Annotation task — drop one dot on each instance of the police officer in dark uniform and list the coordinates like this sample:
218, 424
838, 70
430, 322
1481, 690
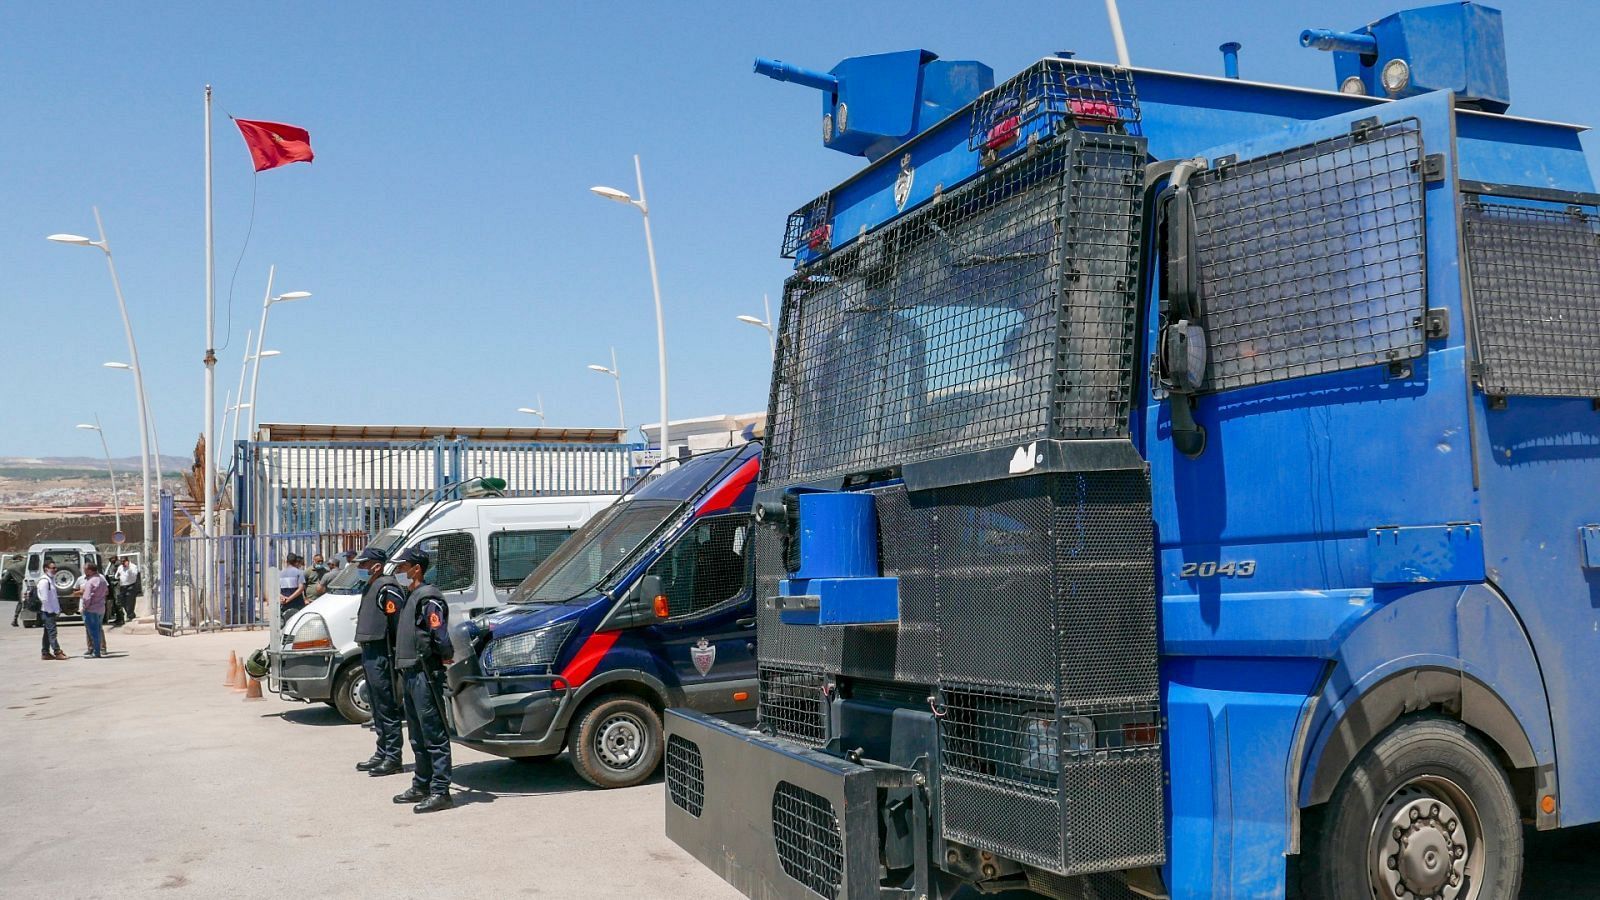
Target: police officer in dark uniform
375, 631
421, 651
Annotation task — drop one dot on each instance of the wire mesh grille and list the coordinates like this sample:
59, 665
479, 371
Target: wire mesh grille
708, 566
809, 227
805, 830
686, 775
1312, 260
1535, 278
791, 704
1001, 313
780, 643
1051, 95
1001, 736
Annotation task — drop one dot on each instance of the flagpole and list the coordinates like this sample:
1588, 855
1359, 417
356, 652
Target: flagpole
207, 473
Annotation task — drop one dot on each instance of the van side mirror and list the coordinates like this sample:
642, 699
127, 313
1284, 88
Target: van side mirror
653, 596
638, 606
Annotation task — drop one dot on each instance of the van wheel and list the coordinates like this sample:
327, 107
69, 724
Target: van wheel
350, 694
1425, 811
618, 742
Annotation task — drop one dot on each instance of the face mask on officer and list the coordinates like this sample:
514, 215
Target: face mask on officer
402, 576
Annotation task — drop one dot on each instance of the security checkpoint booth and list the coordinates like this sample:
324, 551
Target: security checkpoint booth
306, 489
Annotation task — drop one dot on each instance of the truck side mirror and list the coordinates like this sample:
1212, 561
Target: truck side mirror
1181, 353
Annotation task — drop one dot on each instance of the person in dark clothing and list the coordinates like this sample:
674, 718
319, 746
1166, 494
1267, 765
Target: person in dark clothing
375, 619
421, 651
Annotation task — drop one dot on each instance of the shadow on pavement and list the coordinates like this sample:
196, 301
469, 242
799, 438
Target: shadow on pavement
310, 715
509, 778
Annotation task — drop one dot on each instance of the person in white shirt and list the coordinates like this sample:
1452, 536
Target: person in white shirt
49, 609
292, 586
127, 593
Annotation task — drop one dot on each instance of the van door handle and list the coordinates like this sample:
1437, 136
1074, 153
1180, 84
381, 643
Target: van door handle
746, 622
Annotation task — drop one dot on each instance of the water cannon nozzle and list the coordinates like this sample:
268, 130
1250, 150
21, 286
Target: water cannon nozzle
1339, 41
779, 70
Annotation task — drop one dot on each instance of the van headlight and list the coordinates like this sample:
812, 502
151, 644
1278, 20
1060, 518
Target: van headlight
310, 633
526, 650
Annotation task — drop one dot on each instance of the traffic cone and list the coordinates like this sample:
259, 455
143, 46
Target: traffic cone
238, 678
252, 690
233, 669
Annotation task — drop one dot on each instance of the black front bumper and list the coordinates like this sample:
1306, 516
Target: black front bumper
510, 717
779, 820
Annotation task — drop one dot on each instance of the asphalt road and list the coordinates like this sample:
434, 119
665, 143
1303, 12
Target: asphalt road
141, 775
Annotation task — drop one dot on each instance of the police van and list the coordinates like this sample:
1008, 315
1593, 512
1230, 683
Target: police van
481, 547
650, 605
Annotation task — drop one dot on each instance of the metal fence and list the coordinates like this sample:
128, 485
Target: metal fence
360, 487
236, 561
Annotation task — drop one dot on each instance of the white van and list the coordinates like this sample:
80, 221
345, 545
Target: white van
480, 549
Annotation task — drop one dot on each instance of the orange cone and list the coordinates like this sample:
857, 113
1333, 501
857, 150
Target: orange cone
239, 678
252, 690
233, 669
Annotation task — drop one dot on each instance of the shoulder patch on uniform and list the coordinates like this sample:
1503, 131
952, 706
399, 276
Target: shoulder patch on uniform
389, 607
433, 620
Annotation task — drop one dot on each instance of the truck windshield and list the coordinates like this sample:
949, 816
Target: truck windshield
606, 544
348, 579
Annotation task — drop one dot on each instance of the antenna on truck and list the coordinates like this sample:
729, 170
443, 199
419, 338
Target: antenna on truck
1116, 33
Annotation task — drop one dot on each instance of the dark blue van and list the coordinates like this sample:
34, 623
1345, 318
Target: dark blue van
647, 606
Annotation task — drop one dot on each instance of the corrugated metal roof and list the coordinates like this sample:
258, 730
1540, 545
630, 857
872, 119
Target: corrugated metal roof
310, 432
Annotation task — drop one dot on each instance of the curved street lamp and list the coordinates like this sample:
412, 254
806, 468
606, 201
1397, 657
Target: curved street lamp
616, 375
116, 501
266, 304
613, 194
535, 411
765, 324
146, 430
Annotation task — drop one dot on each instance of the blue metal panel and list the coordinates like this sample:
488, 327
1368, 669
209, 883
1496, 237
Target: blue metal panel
843, 601
1452, 47
1232, 725
1428, 553
1271, 623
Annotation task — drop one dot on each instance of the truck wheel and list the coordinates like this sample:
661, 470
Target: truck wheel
618, 742
1425, 811
350, 694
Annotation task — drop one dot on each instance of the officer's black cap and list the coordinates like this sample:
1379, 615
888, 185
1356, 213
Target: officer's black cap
372, 554
414, 556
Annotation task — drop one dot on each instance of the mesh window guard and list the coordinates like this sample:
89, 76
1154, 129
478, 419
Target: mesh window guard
1003, 312
1534, 272
707, 566
1312, 260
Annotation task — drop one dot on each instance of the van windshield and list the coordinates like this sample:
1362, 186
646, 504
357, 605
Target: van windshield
348, 579
610, 541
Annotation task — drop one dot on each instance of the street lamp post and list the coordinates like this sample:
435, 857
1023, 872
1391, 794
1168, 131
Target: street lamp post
616, 375
116, 501
251, 403
145, 430
535, 411
766, 324
266, 304
655, 282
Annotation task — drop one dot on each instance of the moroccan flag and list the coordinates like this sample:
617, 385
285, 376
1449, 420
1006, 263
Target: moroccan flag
273, 145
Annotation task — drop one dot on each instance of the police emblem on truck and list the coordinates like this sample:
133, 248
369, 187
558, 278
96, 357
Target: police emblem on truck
704, 655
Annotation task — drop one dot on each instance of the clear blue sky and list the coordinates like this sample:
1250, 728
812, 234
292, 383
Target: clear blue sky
460, 265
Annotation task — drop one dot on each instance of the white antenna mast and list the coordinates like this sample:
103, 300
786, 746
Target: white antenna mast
1116, 33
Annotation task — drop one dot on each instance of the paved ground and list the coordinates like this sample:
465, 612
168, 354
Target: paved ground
141, 775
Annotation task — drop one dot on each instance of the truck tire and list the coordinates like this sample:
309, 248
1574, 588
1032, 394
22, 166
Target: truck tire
1433, 784
617, 742
349, 694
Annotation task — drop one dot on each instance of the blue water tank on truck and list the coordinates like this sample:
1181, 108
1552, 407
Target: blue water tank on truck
1230, 451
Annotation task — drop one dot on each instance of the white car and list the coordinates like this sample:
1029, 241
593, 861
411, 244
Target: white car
480, 549
69, 557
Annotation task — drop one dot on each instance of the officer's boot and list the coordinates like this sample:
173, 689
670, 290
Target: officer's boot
434, 803
413, 794
369, 764
386, 767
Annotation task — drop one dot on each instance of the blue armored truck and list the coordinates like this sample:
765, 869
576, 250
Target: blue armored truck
1175, 486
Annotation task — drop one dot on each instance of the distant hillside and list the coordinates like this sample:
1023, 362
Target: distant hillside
35, 468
